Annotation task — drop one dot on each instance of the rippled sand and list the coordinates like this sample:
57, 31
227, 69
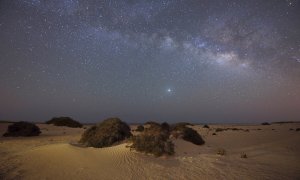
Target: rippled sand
273, 153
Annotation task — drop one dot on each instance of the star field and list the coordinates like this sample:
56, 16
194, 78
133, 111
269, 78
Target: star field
168, 60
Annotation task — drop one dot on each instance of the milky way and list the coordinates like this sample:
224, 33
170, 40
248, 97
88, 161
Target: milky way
198, 61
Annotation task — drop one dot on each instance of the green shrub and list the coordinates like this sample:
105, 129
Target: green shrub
106, 133
64, 121
22, 129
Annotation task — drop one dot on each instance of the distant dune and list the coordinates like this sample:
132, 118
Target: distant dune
273, 152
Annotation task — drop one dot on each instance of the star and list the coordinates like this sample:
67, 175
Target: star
136, 53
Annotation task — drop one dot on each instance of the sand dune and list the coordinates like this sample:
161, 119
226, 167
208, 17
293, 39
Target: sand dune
272, 154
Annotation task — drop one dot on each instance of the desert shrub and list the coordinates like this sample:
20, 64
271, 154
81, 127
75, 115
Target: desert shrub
298, 129
265, 123
180, 125
205, 126
153, 144
219, 130
106, 133
214, 134
186, 133
140, 128
152, 123
191, 135
165, 127
244, 155
235, 129
22, 129
64, 121
153, 140
221, 151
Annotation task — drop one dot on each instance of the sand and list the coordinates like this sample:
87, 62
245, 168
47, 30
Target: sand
272, 154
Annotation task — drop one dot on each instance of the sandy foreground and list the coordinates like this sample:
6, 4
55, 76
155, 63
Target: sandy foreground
273, 153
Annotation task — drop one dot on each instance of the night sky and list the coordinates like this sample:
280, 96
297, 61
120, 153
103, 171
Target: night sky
199, 61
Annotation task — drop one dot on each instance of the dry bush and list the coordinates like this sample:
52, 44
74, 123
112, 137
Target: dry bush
22, 129
140, 128
265, 123
154, 140
244, 155
106, 133
214, 134
205, 126
221, 151
64, 121
219, 130
186, 133
165, 126
151, 123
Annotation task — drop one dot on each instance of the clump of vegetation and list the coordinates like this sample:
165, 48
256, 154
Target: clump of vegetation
244, 155
152, 123
285, 122
214, 134
140, 128
22, 129
234, 129
205, 126
298, 129
221, 151
182, 124
265, 123
219, 130
106, 133
191, 135
64, 121
186, 133
154, 140
165, 126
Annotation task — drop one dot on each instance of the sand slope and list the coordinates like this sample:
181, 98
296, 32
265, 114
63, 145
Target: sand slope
272, 154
